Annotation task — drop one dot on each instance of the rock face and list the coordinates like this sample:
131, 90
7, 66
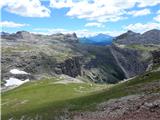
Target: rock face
149, 37
156, 57
71, 67
71, 38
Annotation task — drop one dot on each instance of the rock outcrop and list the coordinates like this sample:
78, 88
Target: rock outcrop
156, 57
71, 67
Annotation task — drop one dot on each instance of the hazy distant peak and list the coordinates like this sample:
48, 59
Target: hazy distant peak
4, 33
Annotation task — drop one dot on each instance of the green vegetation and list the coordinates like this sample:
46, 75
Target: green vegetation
42, 96
18, 48
143, 47
46, 99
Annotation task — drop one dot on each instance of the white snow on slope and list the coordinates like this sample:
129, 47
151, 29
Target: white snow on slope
14, 81
16, 71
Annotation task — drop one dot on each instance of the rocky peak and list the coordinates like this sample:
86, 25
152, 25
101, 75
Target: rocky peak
22, 32
74, 35
23, 35
129, 33
71, 38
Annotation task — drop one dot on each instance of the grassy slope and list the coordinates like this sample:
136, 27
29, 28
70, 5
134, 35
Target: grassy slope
47, 99
43, 96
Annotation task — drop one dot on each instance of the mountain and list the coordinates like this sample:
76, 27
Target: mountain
100, 39
149, 37
63, 77
50, 55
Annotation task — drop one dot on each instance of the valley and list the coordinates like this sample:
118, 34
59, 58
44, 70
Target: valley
80, 59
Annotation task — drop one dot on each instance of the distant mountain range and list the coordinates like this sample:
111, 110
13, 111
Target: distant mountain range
100, 39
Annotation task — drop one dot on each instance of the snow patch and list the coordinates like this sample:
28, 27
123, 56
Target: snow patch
16, 71
14, 81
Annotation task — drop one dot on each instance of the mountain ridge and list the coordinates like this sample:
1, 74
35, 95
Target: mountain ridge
149, 37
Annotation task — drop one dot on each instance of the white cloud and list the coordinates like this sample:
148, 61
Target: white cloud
145, 3
12, 24
139, 27
61, 4
157, 18
94, 24
26, 8
158, 12
102, 10
47, 31
80, 33
139, 12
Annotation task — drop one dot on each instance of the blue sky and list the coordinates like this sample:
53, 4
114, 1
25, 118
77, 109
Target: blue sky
85, 17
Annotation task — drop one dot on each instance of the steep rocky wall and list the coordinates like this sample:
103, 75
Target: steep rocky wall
156, 57
71, 67
130, 61
40, 65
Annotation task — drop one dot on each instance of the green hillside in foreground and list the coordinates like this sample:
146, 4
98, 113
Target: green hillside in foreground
46, 99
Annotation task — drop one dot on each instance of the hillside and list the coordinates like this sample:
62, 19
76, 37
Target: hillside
61, 101
64, 79
80, 59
